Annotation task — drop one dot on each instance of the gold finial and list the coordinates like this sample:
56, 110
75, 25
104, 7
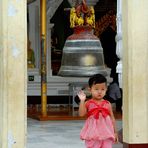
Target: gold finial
82, 15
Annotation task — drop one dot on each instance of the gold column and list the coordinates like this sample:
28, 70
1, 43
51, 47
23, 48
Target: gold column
43, 59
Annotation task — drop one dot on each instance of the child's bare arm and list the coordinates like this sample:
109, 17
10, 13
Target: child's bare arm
82, 108
114, 124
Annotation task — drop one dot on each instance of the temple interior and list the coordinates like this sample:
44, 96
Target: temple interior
61, 91
62, 103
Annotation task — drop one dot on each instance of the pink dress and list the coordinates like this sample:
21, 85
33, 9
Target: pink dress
98, 125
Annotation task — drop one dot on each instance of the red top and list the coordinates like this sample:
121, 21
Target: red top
97, 110
98, 125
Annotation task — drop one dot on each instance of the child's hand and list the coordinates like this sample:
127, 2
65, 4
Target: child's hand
116, 137
82, 95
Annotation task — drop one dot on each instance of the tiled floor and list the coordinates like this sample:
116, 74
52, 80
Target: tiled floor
57, 134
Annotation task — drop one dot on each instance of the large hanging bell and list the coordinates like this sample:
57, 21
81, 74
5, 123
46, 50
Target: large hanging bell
82, 54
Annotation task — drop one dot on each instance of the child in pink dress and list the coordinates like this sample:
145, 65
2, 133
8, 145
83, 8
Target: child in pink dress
99, 130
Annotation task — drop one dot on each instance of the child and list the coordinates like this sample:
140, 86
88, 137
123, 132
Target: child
99, 130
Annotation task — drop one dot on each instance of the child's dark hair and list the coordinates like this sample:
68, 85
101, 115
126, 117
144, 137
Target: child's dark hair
96, 79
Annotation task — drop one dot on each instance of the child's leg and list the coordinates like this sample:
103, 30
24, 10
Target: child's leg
93, 143
99, 143
107, 143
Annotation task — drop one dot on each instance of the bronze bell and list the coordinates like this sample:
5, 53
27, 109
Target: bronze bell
82, 52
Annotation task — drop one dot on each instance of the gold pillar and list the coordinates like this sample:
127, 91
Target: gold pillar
13, 74
43, 59
135, 73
